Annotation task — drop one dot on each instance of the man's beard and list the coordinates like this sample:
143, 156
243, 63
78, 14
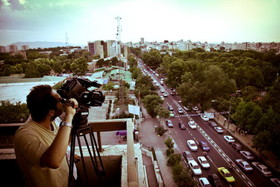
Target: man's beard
58, 112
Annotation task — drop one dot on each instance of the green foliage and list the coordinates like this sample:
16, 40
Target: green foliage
173, 159
108, 86
13, 113
152, 103
160, 130
169, 143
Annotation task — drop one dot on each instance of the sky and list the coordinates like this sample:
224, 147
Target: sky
154, 20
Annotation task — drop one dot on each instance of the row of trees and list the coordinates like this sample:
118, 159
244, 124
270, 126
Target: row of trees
13, 113
38, 65
201, 77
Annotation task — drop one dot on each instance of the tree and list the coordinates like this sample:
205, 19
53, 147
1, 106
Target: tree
13, 113
151, 103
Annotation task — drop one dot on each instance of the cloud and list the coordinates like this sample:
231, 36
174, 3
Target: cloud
16, 5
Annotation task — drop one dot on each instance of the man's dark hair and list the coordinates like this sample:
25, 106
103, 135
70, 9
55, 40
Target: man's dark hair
39, 101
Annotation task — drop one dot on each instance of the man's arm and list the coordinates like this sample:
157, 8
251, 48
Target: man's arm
54, 155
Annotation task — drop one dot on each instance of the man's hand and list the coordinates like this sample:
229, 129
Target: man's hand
70, 110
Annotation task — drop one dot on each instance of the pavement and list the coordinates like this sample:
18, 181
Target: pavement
149, 139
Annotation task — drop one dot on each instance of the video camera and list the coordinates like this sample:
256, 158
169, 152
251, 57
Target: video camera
78, 88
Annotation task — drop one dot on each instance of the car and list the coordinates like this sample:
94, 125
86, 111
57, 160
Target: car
161, 97
180, 110
229, 139
244, 165
212, 124
192, 124
170, 108
237, 146
169, 124
262, 168
171, 114
157, 84
188, 156
247, 155
203, 162
165, 94
192, 145
162, 90
182, 126
219, 130
195, 108
195, 167
275, 181
161, 82
204, 118
215, 180
203, 181
204, 146
224, 172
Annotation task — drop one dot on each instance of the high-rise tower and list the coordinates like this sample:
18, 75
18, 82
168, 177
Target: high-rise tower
118, 37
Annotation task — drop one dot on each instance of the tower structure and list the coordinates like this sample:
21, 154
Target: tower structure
118, 37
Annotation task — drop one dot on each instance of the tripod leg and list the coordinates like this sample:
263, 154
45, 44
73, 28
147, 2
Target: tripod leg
71, 164
102, 171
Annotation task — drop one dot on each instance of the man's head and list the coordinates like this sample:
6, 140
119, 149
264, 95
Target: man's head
43, 101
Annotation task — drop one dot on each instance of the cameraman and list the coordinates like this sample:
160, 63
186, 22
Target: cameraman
40, 144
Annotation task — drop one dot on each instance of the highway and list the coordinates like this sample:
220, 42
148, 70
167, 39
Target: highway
221, 152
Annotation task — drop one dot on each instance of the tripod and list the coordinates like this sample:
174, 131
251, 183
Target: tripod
81, 129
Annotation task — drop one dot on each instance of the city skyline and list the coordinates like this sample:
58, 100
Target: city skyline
154, 20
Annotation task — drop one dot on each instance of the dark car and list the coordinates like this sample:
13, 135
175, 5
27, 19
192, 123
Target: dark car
204, 146
212, 124
182, 126
237, 146
188, 156
215, 180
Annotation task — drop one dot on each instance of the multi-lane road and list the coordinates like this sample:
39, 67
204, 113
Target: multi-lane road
221, 152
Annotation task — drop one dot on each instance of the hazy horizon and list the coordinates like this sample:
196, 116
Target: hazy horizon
213, 21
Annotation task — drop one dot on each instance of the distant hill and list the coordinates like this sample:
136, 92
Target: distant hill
40, 44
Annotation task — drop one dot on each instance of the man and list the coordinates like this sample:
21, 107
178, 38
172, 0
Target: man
40, 145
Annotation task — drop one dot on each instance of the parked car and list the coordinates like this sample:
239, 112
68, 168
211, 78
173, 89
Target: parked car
215, 180
170, 108
203, 182
192, 145
224, 172
203, 162
169, 124
229, 139
161, 97
162, 90
165, 94
180, 110
195, 167
192, 124
212, 124
237, 146
188, 156
244, 165
171, 114
204, 118
219, 130
262, 168
247, 155
181, 126
195, 108
275, 181
204, 146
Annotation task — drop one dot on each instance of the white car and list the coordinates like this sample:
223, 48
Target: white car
205, 118
247, 155
192, 145
192, 124
262, 168
195, 167
203, 181
219, 130
165, 94
195, 108
275, 181
162, 90
244, 165
180, 110
229, 139
203, 162
161, 97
